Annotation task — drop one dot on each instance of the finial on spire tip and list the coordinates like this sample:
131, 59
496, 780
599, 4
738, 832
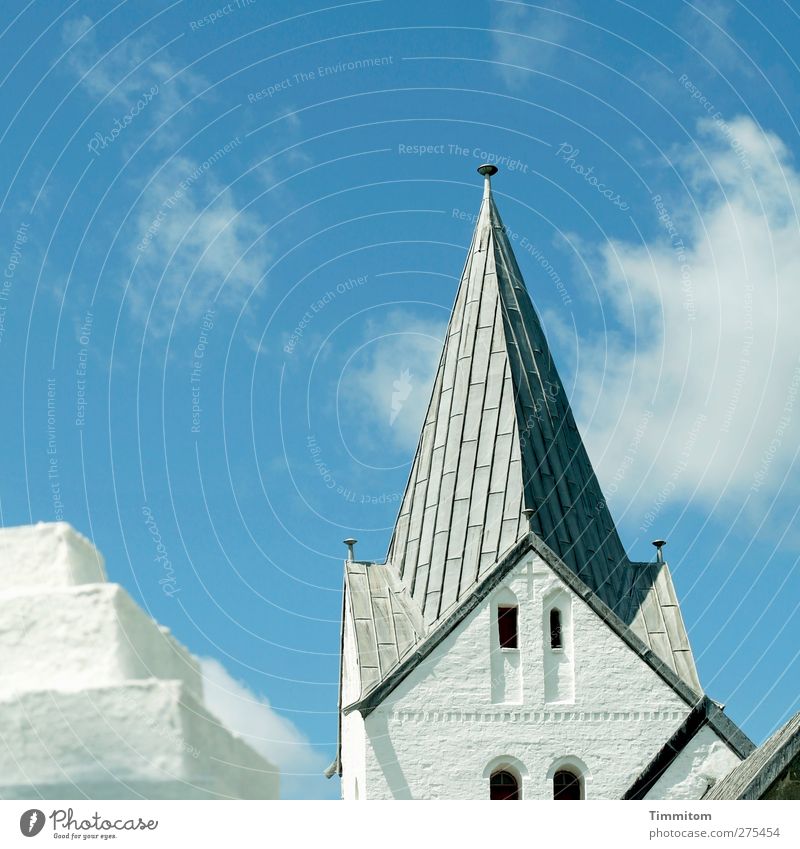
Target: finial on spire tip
487, 171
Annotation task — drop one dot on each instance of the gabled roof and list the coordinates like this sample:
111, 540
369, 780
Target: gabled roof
705, 712
409, 657
386, 623
754, 775
381, 673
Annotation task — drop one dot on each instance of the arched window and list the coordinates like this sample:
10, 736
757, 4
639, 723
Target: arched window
566, 785
503, 785
556, 638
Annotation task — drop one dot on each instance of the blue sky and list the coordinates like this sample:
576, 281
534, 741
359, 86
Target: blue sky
231, 236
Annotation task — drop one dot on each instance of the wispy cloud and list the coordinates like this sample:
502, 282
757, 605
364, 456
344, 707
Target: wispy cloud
527, 36
192, 232
118, 73
190, 237
706, 351
389, 385
706, 25
272, 735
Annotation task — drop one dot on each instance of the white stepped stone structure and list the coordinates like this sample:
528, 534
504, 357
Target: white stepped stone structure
508, 648
96, 699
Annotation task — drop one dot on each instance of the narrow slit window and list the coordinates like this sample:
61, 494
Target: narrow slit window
507, 627
503, 786
556, 637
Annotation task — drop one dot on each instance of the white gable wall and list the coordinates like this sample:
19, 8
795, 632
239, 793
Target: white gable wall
439, 734
702, 762
353, 734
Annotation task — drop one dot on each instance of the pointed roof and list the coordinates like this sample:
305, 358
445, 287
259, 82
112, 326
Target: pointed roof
499, 457
499, 438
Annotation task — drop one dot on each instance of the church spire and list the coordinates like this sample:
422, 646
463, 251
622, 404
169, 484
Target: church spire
500, 456
499, 452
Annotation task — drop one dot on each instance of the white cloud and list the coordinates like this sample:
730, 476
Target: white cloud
199, 236
119, 73
388, 383
189, 229
707, 25
537, 34
697, 393
272, 735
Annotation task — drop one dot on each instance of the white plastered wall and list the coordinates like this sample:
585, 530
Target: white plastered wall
702, 762
353, 735
49, 554
96, 699
97, 632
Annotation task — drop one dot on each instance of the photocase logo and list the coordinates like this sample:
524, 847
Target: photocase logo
401, 390
31, 822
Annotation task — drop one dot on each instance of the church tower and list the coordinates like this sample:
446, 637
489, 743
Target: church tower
508, 648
